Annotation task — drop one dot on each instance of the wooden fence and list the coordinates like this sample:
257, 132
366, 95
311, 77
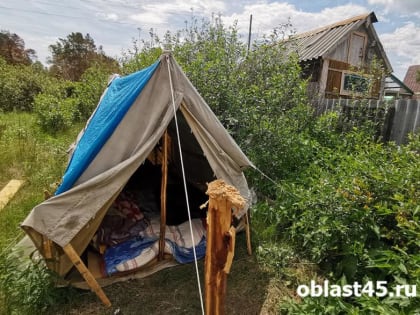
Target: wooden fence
394, 119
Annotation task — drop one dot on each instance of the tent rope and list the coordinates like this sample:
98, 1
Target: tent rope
185, 183
266, 176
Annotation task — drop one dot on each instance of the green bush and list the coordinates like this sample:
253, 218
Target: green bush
272, 114
89, 90
54, 113
355, 212
19, 85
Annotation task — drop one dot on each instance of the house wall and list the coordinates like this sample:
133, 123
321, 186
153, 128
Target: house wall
353, 54
341, 52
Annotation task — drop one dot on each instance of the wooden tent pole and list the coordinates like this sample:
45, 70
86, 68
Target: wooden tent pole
164, 184
86, 274
220, 245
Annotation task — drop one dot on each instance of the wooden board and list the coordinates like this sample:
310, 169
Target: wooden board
8, 192
94, 265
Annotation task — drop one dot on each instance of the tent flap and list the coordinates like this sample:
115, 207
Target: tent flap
113, 106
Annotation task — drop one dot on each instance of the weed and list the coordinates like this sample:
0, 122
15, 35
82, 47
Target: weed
27, 286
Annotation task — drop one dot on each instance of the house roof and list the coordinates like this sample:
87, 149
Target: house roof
411, 78
395, 85
319, 42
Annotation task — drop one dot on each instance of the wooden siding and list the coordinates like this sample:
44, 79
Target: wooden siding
340, 52
333, 83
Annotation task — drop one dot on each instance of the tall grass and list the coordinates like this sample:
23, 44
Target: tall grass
31, 155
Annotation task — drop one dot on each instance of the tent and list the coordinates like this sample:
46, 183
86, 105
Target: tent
133, 122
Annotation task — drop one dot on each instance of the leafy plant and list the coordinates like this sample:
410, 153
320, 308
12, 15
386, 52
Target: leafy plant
88, 91
19, 85
55, 114
27, 286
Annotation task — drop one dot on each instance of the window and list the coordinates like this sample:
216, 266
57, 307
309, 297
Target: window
352, 83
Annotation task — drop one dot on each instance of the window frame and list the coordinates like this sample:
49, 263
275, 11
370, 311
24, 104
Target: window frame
356, 91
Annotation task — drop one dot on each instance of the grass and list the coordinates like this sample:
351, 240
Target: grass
29, 154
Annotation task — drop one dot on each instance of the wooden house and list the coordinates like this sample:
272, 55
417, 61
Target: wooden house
338, 59
410, 80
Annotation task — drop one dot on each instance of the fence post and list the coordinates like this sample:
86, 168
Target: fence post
220, 245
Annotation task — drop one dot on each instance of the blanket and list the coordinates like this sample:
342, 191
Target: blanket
123, 221
142, 249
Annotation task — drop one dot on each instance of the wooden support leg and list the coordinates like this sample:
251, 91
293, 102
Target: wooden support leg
218, 222
87, 275
47, 247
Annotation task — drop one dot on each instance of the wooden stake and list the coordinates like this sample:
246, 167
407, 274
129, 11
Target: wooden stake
220, 245
86, 274
164, 184
248, 234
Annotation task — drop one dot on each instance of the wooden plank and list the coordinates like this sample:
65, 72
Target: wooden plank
8, 192
86, 274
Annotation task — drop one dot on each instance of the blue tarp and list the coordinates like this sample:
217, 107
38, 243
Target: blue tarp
118, 99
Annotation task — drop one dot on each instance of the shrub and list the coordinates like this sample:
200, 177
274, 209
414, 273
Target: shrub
19, 85
27, 287
353, 211
55, 114
89, 90
273, 116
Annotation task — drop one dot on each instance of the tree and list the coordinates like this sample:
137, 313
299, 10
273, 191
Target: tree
12, 49
207, 51
76, 53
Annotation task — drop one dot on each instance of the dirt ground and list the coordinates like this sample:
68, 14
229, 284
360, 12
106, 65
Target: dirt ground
175, 291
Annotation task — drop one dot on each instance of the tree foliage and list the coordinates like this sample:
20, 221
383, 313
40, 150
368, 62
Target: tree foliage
207, 51
12, 49
73, 55
210, 54
19, 84
272, 113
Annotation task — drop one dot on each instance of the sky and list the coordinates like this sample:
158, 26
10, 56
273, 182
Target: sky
114, 24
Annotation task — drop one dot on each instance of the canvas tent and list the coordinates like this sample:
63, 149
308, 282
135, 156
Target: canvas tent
125, 132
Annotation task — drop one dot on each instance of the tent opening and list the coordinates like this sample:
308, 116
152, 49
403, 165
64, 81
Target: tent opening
128, 237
